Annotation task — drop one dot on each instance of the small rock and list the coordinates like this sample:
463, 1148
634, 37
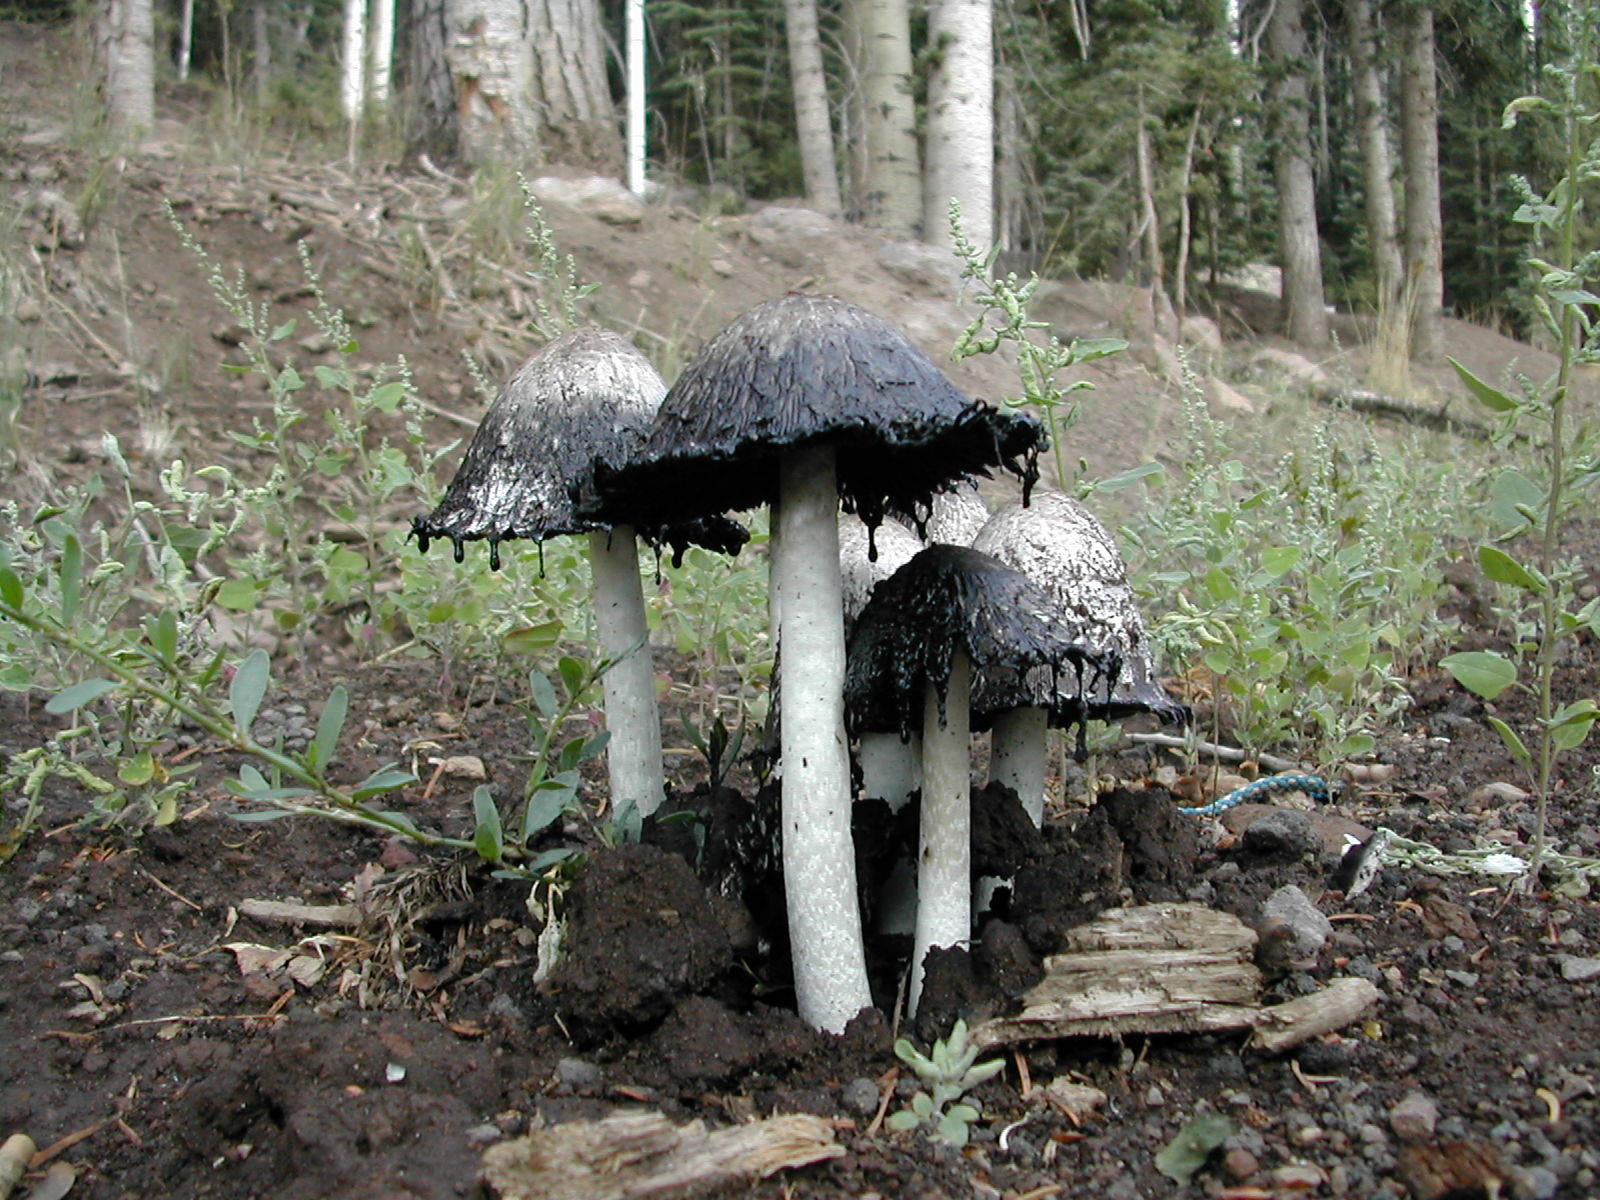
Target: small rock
578, 1074
1154, 1097
931, 267
1491, 794
1414, 1117
1292, 908
483, 1135
1078, 1101
1578, 970
721, 266
1240, 1164
860, 1096
1372, 1135
464, 766
604, 199
1283, 834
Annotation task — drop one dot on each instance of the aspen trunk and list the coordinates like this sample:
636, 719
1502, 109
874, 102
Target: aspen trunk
1377, 165
127, 34
1305, 318
1419, 147
960, 143
568, 77
811, 106
891, 198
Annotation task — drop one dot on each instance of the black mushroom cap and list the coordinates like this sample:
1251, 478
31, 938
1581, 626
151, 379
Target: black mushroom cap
804, 369
587, 397
1063, 547
949, 599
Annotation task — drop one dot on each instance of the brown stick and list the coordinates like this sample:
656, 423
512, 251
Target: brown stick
1342, 1002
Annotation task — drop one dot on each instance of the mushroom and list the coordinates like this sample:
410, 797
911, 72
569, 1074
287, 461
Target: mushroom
588, 395
1062, 547
949, 621
799, 403
956, 516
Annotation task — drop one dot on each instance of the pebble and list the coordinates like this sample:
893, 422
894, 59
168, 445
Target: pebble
1578, 970
1154, 1097
1304, 1177
861, 1096
1283, 833
1371, 1134
483, 1135
1414, 1117
578, 1074
1306, 922
1540, 1184
1240, 1164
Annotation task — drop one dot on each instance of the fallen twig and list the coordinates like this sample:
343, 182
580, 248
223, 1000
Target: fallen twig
1342, 1002
282, 912
1227, 754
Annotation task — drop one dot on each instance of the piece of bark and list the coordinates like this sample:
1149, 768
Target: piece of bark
1344, 1001
1157, 968
281, 912
644, 1156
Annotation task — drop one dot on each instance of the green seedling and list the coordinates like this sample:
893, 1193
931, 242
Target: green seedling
950, 1069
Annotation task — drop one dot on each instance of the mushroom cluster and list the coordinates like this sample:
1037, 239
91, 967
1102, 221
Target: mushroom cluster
810, 404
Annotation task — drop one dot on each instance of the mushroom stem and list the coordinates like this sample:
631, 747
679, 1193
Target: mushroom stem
830, 970
1017, 756
944, 863
633, 756
889, 768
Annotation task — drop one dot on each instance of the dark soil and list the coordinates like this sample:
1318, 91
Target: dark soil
151, 1036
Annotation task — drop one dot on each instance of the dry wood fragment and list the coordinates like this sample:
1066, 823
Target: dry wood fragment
1341, 1003
1157, 968
281, 912
644, 1156
1437, 1171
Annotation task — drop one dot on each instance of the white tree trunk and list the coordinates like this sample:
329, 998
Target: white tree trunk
128, 35
1419, 145
382, 52
811, 107
185, 38
891, 194
1306, 319
1376, 161
579, 122
260, 49
636, 96
944, 857
491, 62
1018, 751
633, 756
960, 143
353, 61
819, 873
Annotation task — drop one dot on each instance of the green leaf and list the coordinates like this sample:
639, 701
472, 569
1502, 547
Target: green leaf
386, 397
239, 595
1131, 476
1088, 349
545, 806
531, 639
903, 1121
953, 1129
1189, 1148
138, 770
163, 632
1481, 671
11, 590
1502, 568
79, 694
1278, 561
71, 578
544, 695
258, 815
16, 678
384, 779
282, 331
248, 688
1513, 741
487, 839
1570, 725
574, 674
329, 725
1487, 395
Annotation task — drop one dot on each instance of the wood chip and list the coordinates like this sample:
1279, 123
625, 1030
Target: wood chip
281, 912
629, 1156
1343, 1002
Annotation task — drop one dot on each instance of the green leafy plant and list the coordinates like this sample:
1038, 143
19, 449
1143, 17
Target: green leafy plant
950, 1070
1566, 305
1041, 357
1189, 1148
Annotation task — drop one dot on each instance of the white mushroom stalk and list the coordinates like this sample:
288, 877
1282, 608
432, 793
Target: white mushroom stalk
944, 840
633, 756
